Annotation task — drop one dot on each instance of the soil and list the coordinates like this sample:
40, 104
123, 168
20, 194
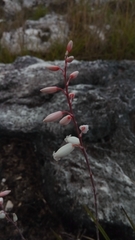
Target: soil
21, 173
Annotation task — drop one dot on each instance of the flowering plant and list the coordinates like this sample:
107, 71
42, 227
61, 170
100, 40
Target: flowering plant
65, 117
4, 214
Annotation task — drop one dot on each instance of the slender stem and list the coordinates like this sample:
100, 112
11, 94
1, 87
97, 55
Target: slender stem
82, 147
19, 231
94, 190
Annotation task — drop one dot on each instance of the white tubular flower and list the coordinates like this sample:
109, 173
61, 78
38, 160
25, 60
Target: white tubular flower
63, 151
2, 214
73, 140
84, 128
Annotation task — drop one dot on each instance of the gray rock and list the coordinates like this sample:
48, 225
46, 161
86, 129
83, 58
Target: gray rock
36, 36
11, 7
105, 100
39, 35
29, 3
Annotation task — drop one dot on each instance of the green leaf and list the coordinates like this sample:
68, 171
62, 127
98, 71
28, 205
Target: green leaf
97, 224
58, 237
129, 219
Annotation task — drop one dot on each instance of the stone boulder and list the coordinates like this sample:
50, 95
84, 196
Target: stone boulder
105, 100
36, 36
32, 35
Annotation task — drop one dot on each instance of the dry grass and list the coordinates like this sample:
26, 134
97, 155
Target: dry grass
102, 31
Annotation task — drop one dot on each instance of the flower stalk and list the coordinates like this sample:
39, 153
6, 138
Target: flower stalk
71, 141
5, 215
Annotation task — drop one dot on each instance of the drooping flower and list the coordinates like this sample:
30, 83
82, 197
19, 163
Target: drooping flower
49, 89
65, 120
63, 151
72, 139
84, 128
54, 116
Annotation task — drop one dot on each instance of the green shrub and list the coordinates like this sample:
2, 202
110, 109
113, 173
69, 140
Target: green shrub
39, 12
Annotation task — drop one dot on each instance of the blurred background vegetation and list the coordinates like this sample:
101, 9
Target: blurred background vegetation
100, 31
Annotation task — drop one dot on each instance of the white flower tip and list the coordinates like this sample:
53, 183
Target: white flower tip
55, 156
72, 139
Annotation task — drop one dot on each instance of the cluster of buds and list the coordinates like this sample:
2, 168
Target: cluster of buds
4, 209
65, 117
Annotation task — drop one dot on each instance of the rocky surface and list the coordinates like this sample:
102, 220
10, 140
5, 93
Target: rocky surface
33, 35
105, 100
36, 36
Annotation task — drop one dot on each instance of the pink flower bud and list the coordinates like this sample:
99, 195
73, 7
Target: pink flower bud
53, 117
70, 46
73, 140
84, 128
71, 95
69, 59
63, 151
65, 120
4, 193
49, 89
53, 68
74, 75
